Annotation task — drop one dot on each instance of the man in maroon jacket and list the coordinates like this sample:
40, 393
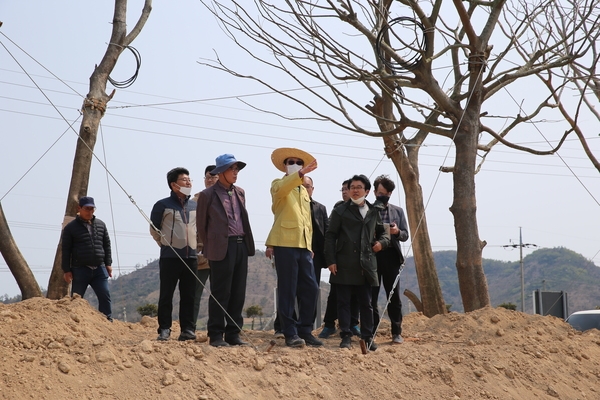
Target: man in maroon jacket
224, 229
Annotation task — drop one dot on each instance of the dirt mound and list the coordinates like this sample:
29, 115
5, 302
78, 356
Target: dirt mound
65, 349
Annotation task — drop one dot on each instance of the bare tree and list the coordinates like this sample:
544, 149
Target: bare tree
433, 70
93, 109
16, 262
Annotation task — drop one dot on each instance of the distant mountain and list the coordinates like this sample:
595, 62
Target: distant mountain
550, 269
556, 269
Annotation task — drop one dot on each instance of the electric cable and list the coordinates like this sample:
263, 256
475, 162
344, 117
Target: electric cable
128, 82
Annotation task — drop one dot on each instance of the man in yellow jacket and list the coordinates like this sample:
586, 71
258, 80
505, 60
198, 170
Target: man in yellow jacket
290, 243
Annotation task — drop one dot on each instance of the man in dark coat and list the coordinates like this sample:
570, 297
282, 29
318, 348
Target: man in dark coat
224, 229
355, 234
390, 259
86, 255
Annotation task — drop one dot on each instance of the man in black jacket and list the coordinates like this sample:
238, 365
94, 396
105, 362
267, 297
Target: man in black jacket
390, 259
86, 255
354, 236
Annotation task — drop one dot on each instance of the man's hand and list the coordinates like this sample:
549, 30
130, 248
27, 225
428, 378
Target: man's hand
308, 168
269, 252
68, 277
394, 229
333, 268
109, 270
377, 247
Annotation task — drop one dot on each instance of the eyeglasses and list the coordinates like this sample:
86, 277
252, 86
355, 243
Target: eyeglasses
292, 162
356, 187
234, 168
185, 180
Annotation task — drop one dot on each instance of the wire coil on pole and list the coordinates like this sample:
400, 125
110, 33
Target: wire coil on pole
129, 82
410, 50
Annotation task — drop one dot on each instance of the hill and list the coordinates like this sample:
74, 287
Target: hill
549, 269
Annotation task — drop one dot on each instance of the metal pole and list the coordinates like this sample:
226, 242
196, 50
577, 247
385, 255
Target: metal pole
522, 271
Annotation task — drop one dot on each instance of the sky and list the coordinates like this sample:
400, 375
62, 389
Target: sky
181, 113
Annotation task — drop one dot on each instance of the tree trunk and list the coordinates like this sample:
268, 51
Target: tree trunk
93, 109
15, 261
429, 285
472, 281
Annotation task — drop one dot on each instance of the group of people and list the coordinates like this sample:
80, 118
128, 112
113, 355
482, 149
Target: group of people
209, 236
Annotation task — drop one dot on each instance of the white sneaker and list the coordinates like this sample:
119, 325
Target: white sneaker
397, 339
279, 335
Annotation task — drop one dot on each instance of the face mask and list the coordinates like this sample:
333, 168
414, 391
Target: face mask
383, 199
358, 201
185, 190
291, 169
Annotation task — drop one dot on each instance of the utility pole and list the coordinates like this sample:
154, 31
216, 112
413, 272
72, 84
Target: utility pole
521, 245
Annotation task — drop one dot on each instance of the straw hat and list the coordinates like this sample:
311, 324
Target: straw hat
280, 155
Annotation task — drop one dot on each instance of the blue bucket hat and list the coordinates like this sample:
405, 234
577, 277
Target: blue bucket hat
224, 161
86, 201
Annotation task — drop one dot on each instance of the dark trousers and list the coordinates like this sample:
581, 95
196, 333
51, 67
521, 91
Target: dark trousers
331, 313
388, 268
173, 271
202, 275
228, 291
344, 295
295, 282
97, 278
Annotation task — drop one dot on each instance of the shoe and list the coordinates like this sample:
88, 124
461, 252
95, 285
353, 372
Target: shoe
346, 342
397, 339
311, 340
355, 330
219, 342
236, 341
187, 334
326, 332
163, 334
279, 335
371, 345
294, 341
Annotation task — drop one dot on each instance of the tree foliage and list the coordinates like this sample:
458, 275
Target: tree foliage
148, 309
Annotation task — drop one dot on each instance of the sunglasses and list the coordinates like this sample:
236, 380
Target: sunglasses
292, 162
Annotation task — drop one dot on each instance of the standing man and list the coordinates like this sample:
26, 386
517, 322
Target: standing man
86, 255
203, 268
290, 242
390, 259
355, 234
331, 308
224, 229
320, 222
174, 230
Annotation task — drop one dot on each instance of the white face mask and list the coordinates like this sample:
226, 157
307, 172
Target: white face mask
291, 169
185, 190
358, 201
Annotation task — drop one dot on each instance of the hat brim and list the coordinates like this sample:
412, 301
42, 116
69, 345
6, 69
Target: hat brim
225, 167
280, 155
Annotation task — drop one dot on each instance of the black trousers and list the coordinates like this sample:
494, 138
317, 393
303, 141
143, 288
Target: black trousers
228, 291
344, 295
331, 313
388, 268
172, 271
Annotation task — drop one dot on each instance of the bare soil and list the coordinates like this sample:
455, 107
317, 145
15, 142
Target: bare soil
65, 349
